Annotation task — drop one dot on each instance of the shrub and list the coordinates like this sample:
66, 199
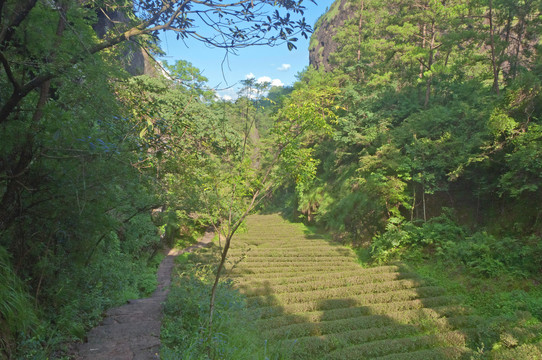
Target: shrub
483, 254
186, 311
489, 256
17, 316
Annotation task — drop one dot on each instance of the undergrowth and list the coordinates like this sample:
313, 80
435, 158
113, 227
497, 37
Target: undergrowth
184, 333
17, 313
108, 283
73, 298
505, 305
497, 276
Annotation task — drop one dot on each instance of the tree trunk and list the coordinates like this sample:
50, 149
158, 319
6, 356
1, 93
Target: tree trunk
26, 153
423, 201
413, 203
520, 31
360, 24
215, 284
494, 65
429, 65
424, 30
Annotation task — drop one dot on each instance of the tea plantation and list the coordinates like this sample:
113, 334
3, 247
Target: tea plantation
312, 297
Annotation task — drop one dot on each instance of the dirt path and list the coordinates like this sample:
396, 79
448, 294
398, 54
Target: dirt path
132, 331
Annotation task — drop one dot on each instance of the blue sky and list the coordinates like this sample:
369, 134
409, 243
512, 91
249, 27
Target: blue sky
275, 64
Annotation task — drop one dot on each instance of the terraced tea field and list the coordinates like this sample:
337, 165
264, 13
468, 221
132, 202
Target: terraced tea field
313, 298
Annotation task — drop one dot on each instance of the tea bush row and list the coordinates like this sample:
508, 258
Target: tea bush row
401, 316
254, 288
525, 351
312, 347
285, 280
314, 327
357, 297
277, 265
294, 269
331, 306
388, 301
441, 353
289, 242
344, 291
313, 251
296, 278
256, 260
401, 345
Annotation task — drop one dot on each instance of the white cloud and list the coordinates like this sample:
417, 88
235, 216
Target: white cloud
227, 94
263, 79
249, 76
284, 67
267, 79
277, 82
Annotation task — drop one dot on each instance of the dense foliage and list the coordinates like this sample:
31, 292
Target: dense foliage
99, 169
423, 144
439, 108
434, 157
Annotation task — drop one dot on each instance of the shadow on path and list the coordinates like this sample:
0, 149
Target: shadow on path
132, 331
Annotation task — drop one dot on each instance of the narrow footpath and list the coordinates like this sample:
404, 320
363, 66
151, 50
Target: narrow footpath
132, 331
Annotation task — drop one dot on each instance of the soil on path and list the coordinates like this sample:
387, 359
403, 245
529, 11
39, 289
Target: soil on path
132, 331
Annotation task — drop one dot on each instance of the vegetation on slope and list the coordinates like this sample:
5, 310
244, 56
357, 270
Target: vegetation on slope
330, 307
435, 154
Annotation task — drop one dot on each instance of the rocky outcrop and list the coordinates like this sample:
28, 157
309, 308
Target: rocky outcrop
134, 58
322, 43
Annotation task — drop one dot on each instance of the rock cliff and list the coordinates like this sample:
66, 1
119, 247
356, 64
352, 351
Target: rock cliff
322, 43
135, 59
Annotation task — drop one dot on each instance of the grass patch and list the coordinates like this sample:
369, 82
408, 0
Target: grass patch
184, 332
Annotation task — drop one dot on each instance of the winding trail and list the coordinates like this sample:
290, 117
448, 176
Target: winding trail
132, 331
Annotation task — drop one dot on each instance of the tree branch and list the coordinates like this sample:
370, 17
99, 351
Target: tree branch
8, 71
19, 14
138, 211
249, 37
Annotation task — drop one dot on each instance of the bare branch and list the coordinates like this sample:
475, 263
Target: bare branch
206, 3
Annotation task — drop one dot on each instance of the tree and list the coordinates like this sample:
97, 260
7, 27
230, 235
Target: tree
86, 153
187, 75
233, 184
41, 42
233, 24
